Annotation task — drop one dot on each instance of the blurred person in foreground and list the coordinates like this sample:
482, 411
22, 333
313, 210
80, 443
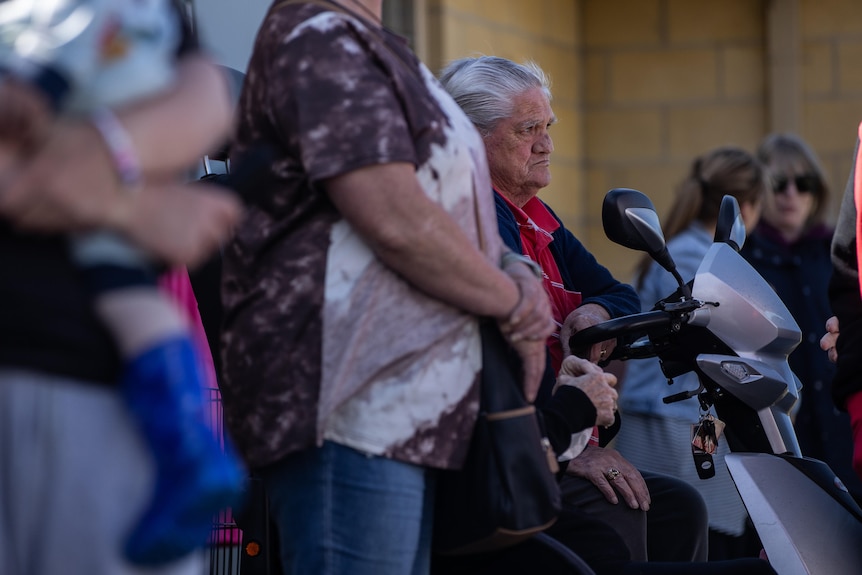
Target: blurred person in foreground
126, 52
65, 425
354, 288
846, 300
658, 436
791, 249
614, 517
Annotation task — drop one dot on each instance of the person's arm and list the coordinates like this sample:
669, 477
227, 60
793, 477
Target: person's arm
71, 183
173, 130
567, 412
417, 239
844, 297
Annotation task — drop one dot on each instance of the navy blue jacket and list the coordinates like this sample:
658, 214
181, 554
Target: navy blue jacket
580, 272
799, 274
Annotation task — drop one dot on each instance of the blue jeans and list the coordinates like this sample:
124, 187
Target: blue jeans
339, 511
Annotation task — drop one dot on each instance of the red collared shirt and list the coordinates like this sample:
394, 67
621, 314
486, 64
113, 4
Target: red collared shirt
536, 224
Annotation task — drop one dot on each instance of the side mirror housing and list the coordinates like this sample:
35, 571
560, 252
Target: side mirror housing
630, 220
730, 227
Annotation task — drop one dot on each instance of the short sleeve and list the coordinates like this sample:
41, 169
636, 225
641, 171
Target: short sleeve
336, 99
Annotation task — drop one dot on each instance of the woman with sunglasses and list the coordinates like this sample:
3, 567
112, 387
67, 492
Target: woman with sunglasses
791, 249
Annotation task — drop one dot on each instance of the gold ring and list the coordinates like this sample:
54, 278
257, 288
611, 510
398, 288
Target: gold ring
612, 473
602, 352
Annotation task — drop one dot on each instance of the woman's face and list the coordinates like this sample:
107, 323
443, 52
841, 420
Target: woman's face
791, 201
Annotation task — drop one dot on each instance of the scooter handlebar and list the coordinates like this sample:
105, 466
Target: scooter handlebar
636, 324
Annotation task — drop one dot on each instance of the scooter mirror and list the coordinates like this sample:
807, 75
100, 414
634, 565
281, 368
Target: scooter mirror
730, 227
630, 220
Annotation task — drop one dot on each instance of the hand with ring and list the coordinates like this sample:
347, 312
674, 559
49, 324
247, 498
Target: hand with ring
612, 474
581, 318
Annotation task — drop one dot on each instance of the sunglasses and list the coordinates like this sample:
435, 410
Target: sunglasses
805, 184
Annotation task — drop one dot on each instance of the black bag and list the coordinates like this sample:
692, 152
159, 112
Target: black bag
507, 490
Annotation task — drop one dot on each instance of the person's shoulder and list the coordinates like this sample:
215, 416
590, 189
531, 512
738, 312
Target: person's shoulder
287, 21
692, 240
688, 248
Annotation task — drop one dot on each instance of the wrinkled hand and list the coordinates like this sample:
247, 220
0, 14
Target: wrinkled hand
533, 358
592, 380
593, 464
830, 339
531, 319
529, 326
583, 317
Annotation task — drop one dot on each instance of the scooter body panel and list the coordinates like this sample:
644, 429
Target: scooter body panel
805, 529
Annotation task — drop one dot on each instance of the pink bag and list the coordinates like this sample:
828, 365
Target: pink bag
177, 285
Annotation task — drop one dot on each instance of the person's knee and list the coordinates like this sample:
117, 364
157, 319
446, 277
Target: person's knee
679, 500
690, 499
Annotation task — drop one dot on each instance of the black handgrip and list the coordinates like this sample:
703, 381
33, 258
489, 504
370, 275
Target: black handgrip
638, 323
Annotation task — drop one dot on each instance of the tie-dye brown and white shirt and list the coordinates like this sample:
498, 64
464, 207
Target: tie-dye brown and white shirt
321, 341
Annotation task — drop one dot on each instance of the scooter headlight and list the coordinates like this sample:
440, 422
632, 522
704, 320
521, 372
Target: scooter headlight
740, 371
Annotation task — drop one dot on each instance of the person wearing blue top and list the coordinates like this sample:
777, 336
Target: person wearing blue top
657, 436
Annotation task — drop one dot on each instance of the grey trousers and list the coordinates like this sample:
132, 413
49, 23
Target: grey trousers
74, 476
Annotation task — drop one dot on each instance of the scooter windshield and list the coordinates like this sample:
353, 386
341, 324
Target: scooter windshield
750, 317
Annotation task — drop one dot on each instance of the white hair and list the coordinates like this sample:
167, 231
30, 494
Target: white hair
485, 87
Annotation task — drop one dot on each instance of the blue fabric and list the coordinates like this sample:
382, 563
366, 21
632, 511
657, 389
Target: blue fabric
580, 272
196, 476
645, 385
340, 511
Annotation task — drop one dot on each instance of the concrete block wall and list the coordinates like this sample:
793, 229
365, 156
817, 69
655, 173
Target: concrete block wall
665, 80
831, 64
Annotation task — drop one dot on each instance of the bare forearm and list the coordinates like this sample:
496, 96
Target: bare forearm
419, 240
171, 131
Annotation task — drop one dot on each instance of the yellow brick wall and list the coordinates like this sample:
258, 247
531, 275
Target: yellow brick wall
642, 86
672, 79
831, 42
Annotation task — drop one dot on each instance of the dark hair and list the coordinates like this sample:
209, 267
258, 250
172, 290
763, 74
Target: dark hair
789, 155
727, 170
